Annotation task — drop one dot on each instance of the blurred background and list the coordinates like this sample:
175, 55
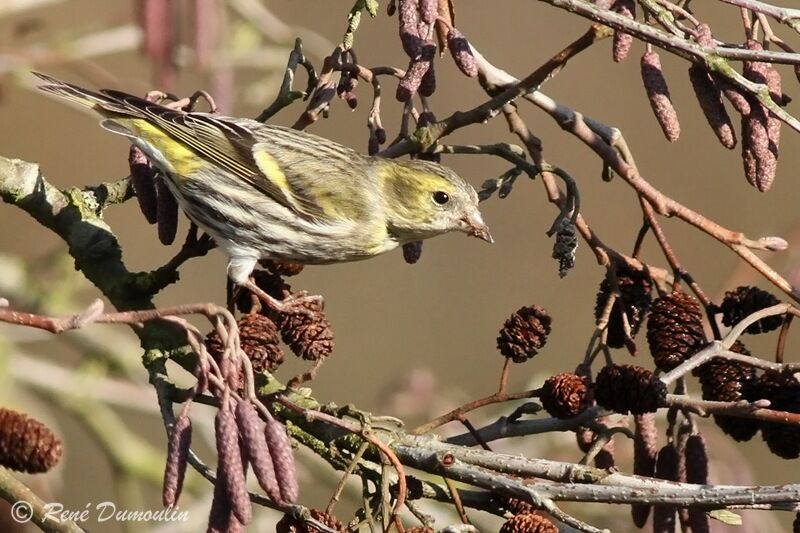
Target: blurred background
412, 341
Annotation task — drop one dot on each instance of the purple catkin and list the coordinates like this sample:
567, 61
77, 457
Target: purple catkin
428, 84
408, 22
143, 179
462, 53
658, 93
667, 465
623, 41
254, 443
221, 518
709, 97
280, 448
410, 83
696, 460
167, 213
428, 11
761, 129
735, 96
645, 449
230, 469
180, 439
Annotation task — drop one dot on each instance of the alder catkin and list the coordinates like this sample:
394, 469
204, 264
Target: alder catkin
658, 93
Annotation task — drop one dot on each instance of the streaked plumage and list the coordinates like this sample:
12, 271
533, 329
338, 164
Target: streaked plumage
269, 191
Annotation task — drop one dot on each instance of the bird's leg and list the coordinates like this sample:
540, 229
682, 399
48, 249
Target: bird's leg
295, 304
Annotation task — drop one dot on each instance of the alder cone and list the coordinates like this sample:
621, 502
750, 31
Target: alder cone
524, 333
629, 388
289, 524
746, 300
565, 395
783, 391
528, 523
730, 381
634, 301
674, 329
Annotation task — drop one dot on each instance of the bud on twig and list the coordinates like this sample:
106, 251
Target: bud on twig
412, 252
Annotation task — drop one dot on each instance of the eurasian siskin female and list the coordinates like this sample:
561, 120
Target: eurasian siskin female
264, 191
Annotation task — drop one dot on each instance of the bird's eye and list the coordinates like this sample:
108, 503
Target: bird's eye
441, 197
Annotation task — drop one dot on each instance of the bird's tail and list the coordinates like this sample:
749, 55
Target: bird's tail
104, 103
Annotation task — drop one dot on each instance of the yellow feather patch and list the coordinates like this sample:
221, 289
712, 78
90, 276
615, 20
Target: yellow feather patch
183, 160
272, 170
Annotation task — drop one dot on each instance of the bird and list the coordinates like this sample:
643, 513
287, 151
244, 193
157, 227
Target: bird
265, 191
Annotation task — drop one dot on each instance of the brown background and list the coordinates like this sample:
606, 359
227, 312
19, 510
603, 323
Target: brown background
436, 320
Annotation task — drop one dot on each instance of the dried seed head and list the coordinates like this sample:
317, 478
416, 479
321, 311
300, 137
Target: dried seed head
290, 524
180, 439
709, 96
634, 300
655, 85
674, 329
745, 300
524, 333
528, 523
629, 388
645, 449
281, 268
730, 381
143, 177
258, 337
623, 41
167, 209
230, 471
565, 247
27, 445
783, 392
565, 395
462, 53
280, 448
309, 337
412, 251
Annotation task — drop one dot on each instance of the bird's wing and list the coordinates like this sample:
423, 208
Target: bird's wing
228, 145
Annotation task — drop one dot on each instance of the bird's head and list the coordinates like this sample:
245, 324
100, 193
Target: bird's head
425, 199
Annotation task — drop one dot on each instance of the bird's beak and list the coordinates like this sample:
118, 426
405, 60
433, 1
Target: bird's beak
474, 226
